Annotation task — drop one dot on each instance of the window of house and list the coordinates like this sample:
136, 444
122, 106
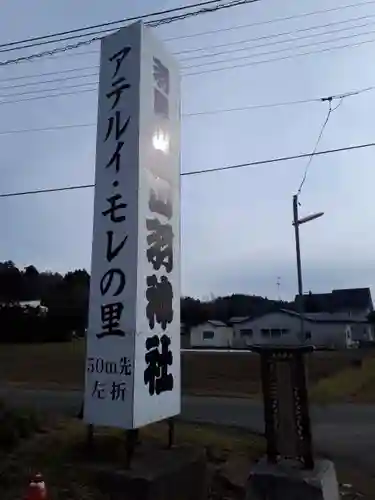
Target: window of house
307, 335
265, 332
207, 335
284, 331
275, 332
246, 332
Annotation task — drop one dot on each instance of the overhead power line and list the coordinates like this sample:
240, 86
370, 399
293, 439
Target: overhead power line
280, 34
264, 37
278, 59
44, 82
203, 8
53, 89
203, 171
47, 73
52, 96
216, 7
274, 20
110, 23
187, 74
271, 52
242, 42
280, 42
195, 73
321, 132
197, 113
78, 76
65, 48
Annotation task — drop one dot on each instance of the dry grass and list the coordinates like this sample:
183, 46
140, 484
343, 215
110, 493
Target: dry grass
57, 456
354, 384
356, 484
203, 373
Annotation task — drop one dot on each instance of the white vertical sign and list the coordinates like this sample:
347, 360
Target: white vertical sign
133, 340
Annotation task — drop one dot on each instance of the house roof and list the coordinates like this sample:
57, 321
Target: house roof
324, 317
356, 298
310, 317
239, 319
215, 322
338, 300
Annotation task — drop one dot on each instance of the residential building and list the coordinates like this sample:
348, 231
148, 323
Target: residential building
355, 303
211, 334
283, 328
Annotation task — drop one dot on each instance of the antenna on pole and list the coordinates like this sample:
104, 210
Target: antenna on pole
278, 283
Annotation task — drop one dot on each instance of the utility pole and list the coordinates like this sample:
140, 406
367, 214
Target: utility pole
278, 283
296, 223
299, 267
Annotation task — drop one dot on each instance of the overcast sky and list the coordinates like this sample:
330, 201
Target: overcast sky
237, 235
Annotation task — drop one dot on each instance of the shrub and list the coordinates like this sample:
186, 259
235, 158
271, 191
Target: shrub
16, 425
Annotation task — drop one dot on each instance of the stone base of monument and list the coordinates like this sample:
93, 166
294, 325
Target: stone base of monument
156, 473
287, 481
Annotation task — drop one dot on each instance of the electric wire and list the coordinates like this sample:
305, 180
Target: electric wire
60, 94
227, 68
321, 132
48, 73
271, 52
280, 34
213, 70
278, 42
216, 5
278, 59
222, 52
234, 3
184, 67
52, 38
43, 82
204, 171
43, 91
271, 21
264, 37
197, 113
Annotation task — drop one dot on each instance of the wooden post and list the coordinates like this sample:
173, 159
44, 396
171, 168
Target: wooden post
90, 438
131, 441
171, 432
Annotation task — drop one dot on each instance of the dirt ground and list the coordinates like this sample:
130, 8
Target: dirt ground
203, 373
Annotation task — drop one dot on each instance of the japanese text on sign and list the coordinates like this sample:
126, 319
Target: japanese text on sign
159, 293
114, 280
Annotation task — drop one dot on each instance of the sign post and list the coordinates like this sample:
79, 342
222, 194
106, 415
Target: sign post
133, 340
285, 400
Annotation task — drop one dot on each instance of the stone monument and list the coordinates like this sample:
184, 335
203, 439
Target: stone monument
289, 471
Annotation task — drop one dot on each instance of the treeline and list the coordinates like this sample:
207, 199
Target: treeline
67, 296
194, 311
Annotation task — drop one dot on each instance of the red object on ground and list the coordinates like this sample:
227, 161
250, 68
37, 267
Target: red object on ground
36, 489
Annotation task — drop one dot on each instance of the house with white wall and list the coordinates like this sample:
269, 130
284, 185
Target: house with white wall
283, 328
212, 333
